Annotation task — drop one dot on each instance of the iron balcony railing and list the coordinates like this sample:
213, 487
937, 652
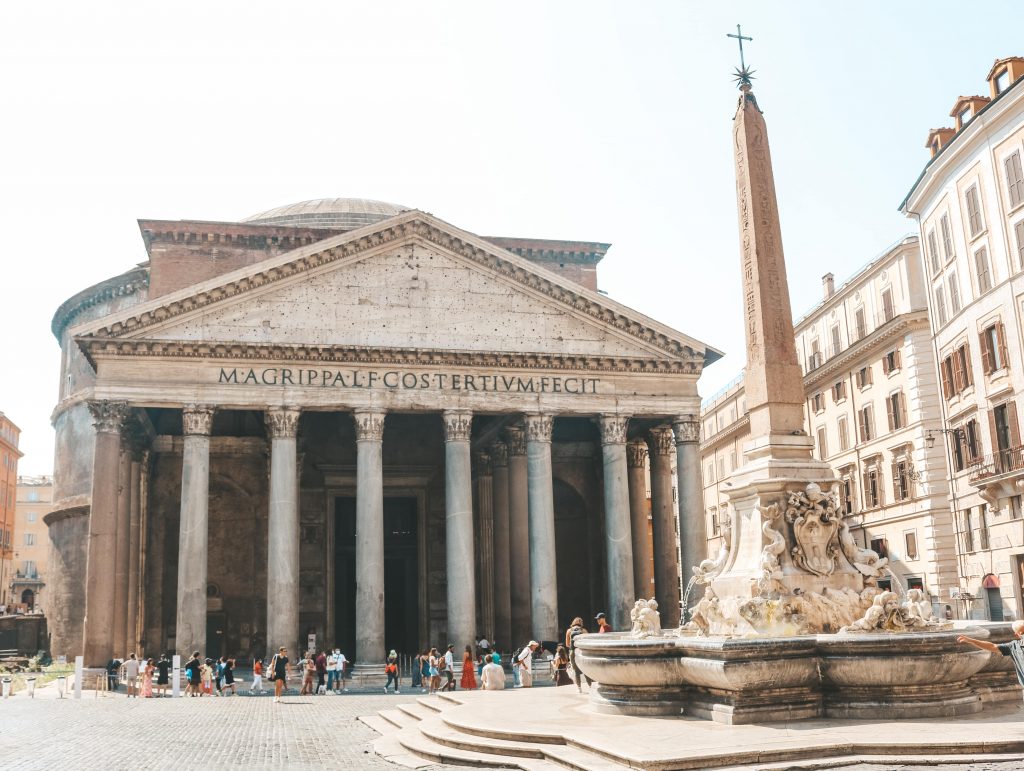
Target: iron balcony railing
1002, 462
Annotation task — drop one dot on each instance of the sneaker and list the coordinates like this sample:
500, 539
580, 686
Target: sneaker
397, 691
276, 699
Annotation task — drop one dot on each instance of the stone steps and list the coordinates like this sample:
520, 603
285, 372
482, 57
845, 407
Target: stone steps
924, 761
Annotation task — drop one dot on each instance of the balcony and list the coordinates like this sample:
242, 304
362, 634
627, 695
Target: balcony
998, 475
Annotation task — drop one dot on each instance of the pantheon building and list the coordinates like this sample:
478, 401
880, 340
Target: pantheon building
350, 419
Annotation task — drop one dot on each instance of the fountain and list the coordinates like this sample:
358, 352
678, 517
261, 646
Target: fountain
792, 623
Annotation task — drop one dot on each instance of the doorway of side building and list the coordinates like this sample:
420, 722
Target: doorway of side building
214, 635
990, 583
28, 598
401, 575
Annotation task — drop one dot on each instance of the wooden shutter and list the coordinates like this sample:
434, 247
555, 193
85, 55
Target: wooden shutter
973, 211
965, 362
862, 425
1011, 420
902, 403
986, 352
947, 386
993, 432
1014, 178
1001, 342
885, 364
891, 411
958, 372
896, 481
1018, 230
897, 359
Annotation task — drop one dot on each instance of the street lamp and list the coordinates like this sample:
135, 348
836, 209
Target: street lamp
930, 434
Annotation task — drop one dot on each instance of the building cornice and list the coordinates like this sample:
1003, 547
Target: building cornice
728, 433
402, 227
98, 347
866, 345
127, 283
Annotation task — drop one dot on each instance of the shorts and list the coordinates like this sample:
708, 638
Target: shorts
434, 672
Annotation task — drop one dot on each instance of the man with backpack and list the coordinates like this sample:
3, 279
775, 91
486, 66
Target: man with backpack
571, 634
522, 665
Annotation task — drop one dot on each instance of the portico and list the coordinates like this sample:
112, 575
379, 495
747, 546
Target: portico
375, 439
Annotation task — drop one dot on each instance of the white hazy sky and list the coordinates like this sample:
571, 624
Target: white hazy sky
606, 121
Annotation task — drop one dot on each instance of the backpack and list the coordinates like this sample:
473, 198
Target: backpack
442, 664
515, 655
574, 632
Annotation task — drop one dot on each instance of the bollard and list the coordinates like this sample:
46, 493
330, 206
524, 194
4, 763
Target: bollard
61, 685
6, 687
31, 682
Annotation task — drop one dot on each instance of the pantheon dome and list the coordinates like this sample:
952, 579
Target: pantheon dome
342, 213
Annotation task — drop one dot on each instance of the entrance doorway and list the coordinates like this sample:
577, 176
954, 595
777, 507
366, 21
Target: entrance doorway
401, 575
214, 635
28, 597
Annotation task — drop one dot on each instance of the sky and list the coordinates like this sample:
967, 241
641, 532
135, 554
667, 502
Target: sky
599, 121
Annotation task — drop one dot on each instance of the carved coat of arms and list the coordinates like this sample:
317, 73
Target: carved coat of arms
815, 523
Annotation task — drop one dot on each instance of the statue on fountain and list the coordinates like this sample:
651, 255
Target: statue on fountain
646, 619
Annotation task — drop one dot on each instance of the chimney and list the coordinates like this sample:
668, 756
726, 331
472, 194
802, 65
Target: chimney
828, 283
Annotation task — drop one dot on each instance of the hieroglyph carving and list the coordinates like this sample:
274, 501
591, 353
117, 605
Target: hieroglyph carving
283, 422
636, 454
815, 520
108, 417
538, 428
196, 420
661, 441
687, 429
613, 429
457, 425
369, 425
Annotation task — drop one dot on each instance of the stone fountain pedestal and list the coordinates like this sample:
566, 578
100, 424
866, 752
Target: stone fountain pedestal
756, 680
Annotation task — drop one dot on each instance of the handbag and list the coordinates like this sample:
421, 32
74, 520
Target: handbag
273, 668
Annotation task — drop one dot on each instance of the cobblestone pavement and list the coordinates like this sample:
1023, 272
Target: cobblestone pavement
113, 732
1009, 765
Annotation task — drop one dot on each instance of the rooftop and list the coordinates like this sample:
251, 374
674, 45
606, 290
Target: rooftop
345, 213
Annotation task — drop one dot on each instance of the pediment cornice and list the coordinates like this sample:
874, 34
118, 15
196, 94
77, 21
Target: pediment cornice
414, 225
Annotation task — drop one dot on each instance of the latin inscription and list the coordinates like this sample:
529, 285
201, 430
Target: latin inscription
399, 380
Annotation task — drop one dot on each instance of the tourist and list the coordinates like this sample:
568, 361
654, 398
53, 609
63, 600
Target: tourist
257, 677
492, 678
468, 681
308, 672
147, 679
449, 668
279, 672
163, 669
602, 623
131, 675
1014, 649
207, 674
218, 675
321, 672
113, 668
229, 678
417, 671
435, 670
574, 631
560, 674
343, 672
391, 668
525, 662
193, 675
332, 669
424, 671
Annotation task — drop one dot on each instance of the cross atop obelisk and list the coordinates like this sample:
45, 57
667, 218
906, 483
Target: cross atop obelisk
773, 381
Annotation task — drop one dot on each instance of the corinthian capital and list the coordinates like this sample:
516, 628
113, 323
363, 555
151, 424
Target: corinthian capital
283, 422
196, 420
661, 441
687, 428
369, 425
613, 429
457, 425
499, 453
538, 428
108, 417
482, 461
516, 440
636, 454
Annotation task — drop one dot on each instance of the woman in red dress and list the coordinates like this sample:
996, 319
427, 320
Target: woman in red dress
468, 681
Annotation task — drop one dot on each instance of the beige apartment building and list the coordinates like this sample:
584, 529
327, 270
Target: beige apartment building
9, 455
872, 399
969, 206
30, 549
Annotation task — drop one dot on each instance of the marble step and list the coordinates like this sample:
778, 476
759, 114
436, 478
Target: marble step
417, 711
440, 731
397, 718
378, 724
389, 748
838, 764
415, 742
433, 703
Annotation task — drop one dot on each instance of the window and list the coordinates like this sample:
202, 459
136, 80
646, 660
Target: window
982, 266
971, 440
910, 544
30, 539
818, 402
1015, 507
891, 361
967, 530
30, 517
28, 567
732, 461
964, 116
822, 445
880, 547
844, 434
983, 541
947, 238
973, 210
1005, 436
1002, 81
913, 582
901, 479
815, 355
860, 323
888, 311
940, 305
863, 377
896, 407
1018, 231
710, 473
993, 348
954, 292
933, 252
872, 488
946, 373
837, 344
721, 468
715, 526
866, 420
839, 391
846, 493
962, 367
1014, 178
32, 496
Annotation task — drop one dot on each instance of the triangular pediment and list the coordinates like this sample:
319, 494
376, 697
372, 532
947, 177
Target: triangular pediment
409, 283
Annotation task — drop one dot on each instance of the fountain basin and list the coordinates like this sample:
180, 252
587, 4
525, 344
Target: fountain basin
996, 682
764, 679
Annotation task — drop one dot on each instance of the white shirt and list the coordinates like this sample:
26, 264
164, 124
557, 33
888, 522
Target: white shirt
493, 677
524, 655
332, 662
342, 661
449, 661
131, 668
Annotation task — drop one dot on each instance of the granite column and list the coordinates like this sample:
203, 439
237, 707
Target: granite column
485, 541
283, 532
122, 547
643, 575
543, 575
618, 534
502, 578
518, 537
666, 560
134, 550
193, 530
693, 535
370, 598
458, 520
